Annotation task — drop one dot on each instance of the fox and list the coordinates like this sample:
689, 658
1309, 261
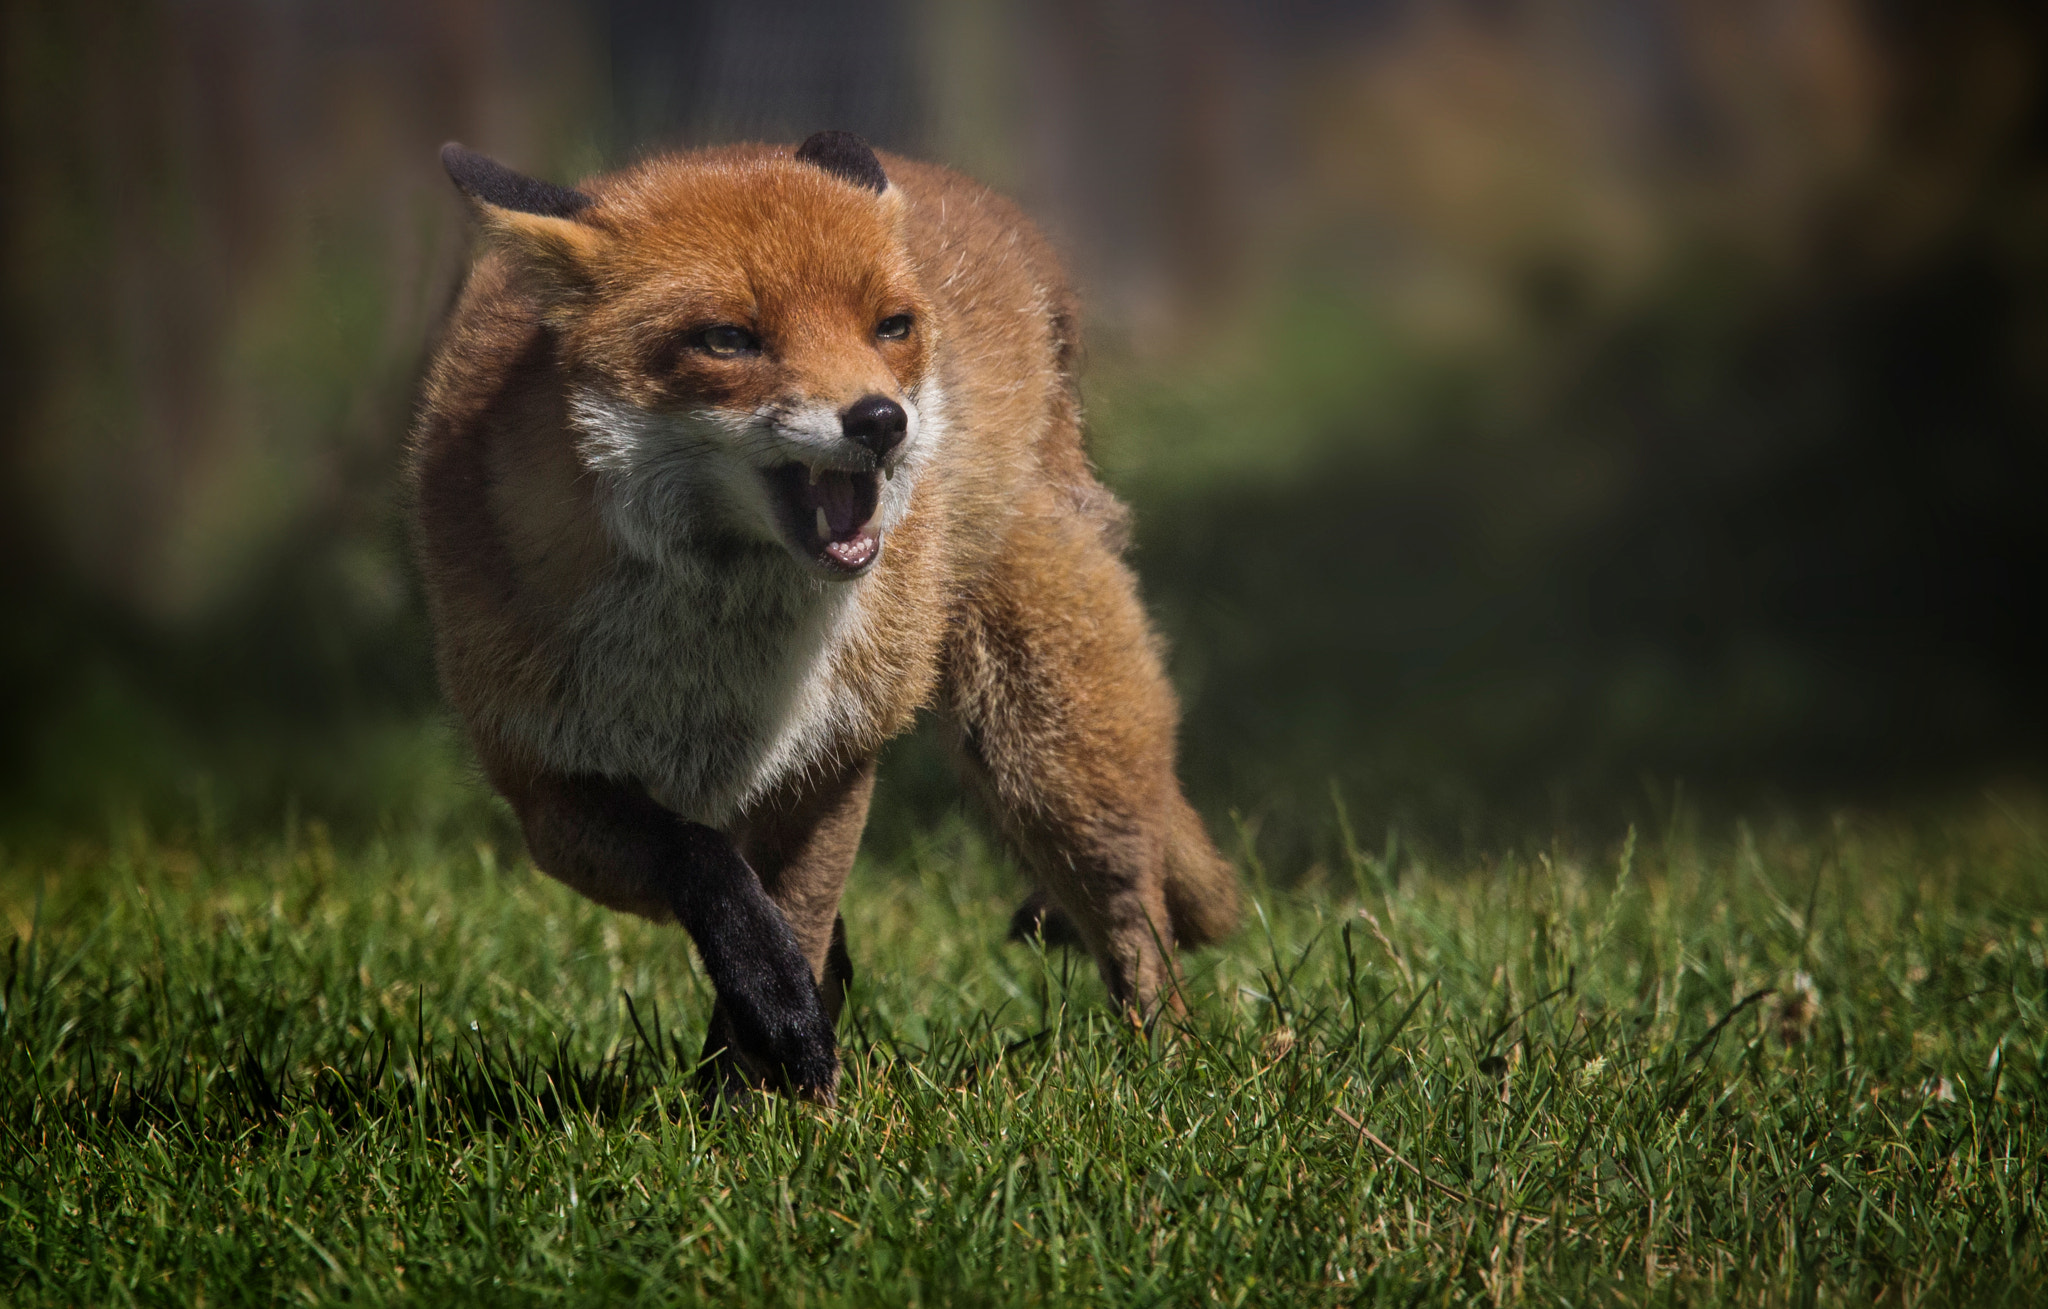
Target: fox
727, 465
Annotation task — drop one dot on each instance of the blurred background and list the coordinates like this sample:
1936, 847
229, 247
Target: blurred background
1535, 412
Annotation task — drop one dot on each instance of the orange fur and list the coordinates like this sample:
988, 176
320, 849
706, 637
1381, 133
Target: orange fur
999, 595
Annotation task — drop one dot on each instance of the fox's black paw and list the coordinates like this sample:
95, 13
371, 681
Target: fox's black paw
793, 1051
1038, 916
806, 1063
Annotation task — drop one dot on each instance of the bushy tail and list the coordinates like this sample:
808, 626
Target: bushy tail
1201, 886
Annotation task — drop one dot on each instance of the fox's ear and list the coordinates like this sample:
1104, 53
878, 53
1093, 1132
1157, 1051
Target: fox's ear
489, 182
541, 223
845, 156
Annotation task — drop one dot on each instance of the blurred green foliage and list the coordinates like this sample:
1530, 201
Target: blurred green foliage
1525, 411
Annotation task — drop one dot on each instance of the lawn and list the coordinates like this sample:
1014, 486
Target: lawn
1791, 1066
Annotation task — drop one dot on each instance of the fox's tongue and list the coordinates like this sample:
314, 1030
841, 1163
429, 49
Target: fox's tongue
830, 515
840, 503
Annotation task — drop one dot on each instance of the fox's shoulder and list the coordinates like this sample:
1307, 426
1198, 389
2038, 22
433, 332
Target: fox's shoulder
985, 261
1010, 345
505, 528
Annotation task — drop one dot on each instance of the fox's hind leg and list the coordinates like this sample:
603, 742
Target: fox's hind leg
801, 844
1067, 727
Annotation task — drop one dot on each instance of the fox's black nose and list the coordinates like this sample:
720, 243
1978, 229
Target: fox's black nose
877, 422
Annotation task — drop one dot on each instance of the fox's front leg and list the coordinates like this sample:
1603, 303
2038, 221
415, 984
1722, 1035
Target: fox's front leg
610, 841
800, 843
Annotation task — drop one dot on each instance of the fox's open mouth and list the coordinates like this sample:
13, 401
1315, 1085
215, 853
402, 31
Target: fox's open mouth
829, 513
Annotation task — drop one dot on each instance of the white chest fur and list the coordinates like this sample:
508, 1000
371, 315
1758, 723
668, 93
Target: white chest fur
709, 681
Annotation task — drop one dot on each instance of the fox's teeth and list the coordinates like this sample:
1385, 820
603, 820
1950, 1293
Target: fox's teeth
824, 528
814, 475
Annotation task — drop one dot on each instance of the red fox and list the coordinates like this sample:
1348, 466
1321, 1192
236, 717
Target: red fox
727, 465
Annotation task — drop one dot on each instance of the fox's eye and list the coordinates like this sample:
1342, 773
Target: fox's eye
725, 341
893, 328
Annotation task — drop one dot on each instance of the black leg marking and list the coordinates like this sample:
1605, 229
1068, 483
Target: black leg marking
772, 1006
838, 965
1039, 916
593, 831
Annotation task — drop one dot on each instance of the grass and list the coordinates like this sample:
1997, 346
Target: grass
1794, 1068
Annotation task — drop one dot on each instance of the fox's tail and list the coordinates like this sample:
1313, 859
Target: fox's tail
1201, 886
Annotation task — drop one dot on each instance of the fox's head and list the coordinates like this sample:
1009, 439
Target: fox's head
748, 349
